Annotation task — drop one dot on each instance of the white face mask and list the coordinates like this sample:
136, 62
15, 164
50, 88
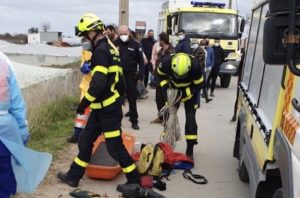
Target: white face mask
124, 38
181, 37
217, 44
194, 46
202, 46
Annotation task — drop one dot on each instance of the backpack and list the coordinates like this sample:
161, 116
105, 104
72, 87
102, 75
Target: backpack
150, 160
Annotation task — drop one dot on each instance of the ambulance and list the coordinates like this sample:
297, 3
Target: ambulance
267, 143
205, 20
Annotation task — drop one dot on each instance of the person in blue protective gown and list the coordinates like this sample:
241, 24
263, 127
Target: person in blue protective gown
21, 169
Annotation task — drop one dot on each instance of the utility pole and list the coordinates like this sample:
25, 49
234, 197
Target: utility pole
230, 4
123, 12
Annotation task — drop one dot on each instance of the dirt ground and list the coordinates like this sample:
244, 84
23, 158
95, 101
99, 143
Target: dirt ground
213, 155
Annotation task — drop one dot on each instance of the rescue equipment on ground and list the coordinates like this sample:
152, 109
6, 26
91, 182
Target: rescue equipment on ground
102, 165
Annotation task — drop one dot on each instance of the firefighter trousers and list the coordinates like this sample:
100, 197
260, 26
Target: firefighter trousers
191, 128
107, 121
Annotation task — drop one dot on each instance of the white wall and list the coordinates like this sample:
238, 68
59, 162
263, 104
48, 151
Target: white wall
34, 39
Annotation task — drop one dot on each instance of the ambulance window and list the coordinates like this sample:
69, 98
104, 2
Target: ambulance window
270, 92
258, 63
251, 47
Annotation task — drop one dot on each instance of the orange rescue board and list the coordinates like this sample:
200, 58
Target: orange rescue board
102, 165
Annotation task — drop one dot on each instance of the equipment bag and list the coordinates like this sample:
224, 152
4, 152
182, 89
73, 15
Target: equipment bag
150, 160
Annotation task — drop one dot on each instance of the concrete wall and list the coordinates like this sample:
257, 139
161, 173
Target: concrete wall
34, 39
50, 36
51, 90
41, 60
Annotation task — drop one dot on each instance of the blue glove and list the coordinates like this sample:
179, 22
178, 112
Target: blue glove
25, 135
85, 68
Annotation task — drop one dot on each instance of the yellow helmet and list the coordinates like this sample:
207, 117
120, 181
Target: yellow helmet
88, 22
181, 65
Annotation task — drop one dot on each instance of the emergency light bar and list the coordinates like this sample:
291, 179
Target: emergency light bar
207, 4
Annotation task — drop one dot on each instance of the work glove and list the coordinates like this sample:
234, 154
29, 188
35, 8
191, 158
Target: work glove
25, 135
82, 106
85, 68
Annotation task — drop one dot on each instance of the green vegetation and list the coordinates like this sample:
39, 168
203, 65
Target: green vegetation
51, 124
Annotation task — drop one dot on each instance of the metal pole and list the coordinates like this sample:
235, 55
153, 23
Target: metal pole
230, 4
124, 12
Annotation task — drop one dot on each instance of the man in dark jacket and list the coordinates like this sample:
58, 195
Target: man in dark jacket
132, 62
147, 44
219, 57
184, 44
166, 49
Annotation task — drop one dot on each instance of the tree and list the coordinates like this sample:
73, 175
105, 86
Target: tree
33, 30
46, 26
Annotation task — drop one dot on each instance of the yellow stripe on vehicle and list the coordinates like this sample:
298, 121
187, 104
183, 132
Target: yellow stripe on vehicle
81, 163
112, 134
100, 69
89, 97
129, 169
191, 137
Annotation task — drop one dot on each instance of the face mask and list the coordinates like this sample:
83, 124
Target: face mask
86, 46
181, 37
217, 44
124, 38
202, 46
195, 46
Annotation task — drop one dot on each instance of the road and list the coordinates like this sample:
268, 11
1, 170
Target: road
213, 154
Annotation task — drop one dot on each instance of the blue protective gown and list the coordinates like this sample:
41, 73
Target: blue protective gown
21, 169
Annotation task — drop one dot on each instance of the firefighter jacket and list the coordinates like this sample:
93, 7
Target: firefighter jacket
107, 84
190, 85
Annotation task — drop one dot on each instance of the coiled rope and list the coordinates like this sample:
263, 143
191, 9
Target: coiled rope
172, 131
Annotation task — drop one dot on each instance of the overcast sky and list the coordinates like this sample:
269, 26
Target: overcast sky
17, 16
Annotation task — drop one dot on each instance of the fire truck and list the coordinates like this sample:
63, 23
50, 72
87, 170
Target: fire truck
267, 143
205, 20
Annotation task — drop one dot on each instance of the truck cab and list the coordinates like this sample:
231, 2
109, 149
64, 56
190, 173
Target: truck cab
205, 20
267, 143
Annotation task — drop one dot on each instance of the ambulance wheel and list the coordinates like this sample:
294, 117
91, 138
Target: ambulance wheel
225, 80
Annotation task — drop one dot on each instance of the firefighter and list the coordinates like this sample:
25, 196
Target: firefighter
81, 120
182, 71
104, 97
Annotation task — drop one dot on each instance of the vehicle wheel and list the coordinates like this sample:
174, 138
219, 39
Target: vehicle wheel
243, 173
225, 81
278, 193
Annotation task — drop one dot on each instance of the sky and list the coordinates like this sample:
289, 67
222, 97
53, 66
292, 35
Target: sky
17, 16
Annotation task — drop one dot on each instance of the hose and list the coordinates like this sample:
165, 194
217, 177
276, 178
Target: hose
172, 131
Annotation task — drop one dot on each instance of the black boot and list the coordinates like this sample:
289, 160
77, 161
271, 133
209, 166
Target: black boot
73, 176
133, 177
67, 179
75, 136
73, 139
190, 149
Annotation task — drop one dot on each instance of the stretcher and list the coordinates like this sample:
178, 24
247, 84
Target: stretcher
102, 165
